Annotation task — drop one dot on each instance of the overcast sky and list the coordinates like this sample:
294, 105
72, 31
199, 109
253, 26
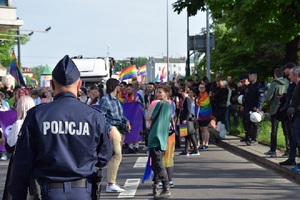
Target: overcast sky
132, 28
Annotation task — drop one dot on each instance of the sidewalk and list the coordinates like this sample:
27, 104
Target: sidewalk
256, 152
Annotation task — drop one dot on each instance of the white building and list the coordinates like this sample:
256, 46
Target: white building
177, 68
8, 16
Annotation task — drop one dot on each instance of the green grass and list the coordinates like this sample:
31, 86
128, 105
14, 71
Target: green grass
264, 133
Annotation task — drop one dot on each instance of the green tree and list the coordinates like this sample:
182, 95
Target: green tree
255, 22
122, 64
7, 43
140, 61
37, 71
231, 57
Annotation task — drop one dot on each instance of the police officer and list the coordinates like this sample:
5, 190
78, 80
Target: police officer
253, 100
244, 82
61, 143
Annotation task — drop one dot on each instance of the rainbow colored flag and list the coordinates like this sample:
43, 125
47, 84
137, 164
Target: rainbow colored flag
204, 110
163, 74
128, 73
142, 70
15, 71
34, 81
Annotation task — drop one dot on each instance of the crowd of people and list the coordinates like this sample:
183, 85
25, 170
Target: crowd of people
206, 108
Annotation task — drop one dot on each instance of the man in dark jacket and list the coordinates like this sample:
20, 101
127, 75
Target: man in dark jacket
253, 100
287, 123
278, 87
61, 143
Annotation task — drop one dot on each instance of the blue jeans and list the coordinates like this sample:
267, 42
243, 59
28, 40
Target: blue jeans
296, 126
66, 192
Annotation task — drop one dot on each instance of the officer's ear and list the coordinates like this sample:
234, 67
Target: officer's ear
52, 85
79, 84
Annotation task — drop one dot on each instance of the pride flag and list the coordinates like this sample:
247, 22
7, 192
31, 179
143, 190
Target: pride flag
128, 73
163, 74
142, 70
15, 71
204, 110
33, 80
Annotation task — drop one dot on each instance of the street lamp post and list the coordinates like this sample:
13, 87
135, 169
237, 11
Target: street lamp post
168, 70
207, 44
30, 34
19, 48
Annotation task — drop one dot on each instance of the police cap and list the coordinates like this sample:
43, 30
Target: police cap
66, 72
243, 77
252, 71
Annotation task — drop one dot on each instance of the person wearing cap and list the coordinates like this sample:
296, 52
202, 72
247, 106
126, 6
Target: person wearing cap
287, 123
62, 143
253, 100
243, 84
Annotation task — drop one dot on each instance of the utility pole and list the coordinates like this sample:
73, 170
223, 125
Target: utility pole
187, 70
19, 49
207, 44
168, 70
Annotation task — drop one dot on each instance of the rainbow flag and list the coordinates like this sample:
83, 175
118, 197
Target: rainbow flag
142, 70
127, 73
34, 81
15, 71
204, 110
163, 74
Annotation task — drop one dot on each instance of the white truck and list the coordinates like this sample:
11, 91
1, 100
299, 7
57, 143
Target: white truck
94, 70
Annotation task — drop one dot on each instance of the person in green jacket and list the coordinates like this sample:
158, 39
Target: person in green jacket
160, 114
278, 87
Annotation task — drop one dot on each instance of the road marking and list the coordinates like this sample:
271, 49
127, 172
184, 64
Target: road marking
140, 162
130, 187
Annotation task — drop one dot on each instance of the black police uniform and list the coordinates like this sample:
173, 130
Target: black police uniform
253, 97
61, 144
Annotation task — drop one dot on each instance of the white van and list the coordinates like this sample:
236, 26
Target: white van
94, 70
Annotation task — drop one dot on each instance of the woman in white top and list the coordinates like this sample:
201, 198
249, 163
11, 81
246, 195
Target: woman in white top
4, 106
23, 105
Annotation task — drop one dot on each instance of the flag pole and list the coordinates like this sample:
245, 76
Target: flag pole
18, 61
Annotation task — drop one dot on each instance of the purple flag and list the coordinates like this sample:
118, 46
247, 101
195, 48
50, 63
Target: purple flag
7, 119
134, 113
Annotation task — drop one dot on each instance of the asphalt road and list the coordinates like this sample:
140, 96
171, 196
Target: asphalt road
215, 174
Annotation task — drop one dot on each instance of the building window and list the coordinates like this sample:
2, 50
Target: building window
4, 2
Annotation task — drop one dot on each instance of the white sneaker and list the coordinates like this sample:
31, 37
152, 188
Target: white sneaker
4, 156
160, 185
114, 188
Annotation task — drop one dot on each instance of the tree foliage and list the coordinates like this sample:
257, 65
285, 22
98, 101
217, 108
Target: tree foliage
8, 41
231, 57
261, 34
122, 64
193, 6
37, 71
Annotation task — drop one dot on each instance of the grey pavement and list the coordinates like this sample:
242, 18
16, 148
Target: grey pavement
255, 153
228, 170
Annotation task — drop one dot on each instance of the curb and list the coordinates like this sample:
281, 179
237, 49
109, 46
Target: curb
282, 170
